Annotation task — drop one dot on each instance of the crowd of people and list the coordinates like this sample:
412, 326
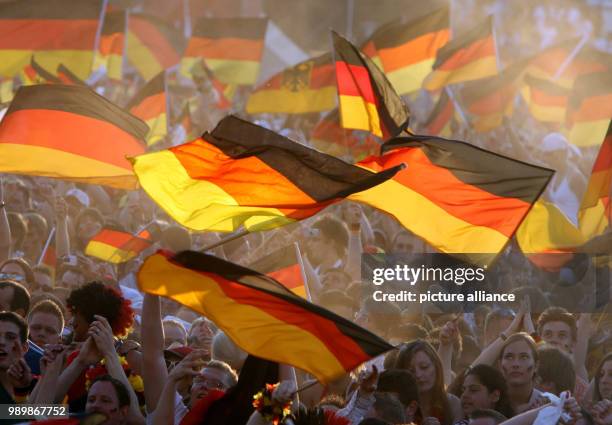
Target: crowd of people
76, 331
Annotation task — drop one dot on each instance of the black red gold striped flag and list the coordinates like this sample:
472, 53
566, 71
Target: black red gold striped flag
461, 199
590, 109
284, 266
439, 121
152, 45
367, 99
406, 51
470, 56
547, 101
151, 105
207, 82
112, 45
70, 133
330, 137
309, 86
117, 247
231, 47
34, 73
260, 315
491, 99
66, 76
53, 30
243, 174
600, 181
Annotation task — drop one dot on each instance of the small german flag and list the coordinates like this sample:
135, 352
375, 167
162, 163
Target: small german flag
490, 100
546, 100
309, 86
54, 30
185, 122
117, 247
112, 44
439, 121
468, 57
68, 77
152, 45
407, 51
330, 137
151, 105
204, 77
590, 109
245, 174
70, 133
462, 200
367, 99
231, 47
260, 315
34, 73
284, 265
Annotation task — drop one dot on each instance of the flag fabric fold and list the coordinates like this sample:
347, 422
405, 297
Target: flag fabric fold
70, 133
367, 99
245, 174
260, 315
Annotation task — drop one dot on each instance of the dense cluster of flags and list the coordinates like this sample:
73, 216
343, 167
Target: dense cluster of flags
461, 199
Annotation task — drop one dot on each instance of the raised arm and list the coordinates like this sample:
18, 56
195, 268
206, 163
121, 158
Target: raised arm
154, 372
5, 229
62, 236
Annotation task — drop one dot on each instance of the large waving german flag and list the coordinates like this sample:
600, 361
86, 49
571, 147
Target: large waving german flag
547, 101
590, 109
231, 47
152, 45
309, 86
367, 99
285, 266
439, 121
461, 199
407, 51
112, 44
54, 30
245, 174
492, 99
70, 133
260, 315
117, 247
151, 105
465, 58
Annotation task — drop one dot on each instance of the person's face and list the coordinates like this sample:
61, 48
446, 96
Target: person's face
401, 245
79, 327
558, 334
45, 328
483, 421
424, 371
72, 280
102, 398
605, 381
15, 197
518, 364
172, 334
32, 246
476, 396
15, 269
209, 379
335, 279
200, 335
43, 281
89, 227
6, 297
11, 347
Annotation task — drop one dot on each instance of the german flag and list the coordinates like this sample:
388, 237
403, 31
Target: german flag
309, 86
330, 137
468, 57
284, 265
439, 121
245, 174
66, 76
112, 44
204, 77
600, 182
151, 105
34, 73
367, 99
546, 100
590, 109
152, 45
491, 99
185, 122
260, 315
407, 51
118, 247
461, 199
54, 30
231, 47
70, 133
